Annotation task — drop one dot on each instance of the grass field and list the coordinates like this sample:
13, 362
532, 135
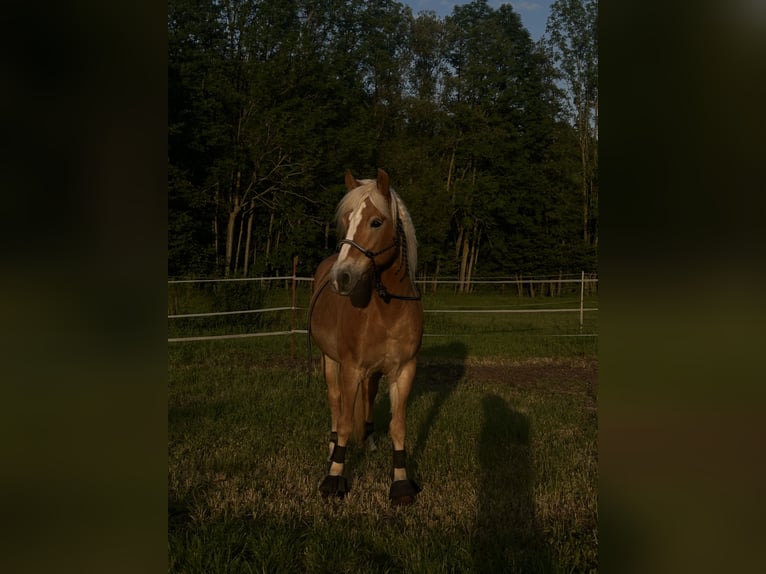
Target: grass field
502, 437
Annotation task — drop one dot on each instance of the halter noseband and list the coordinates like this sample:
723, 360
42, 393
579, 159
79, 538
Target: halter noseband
371, 255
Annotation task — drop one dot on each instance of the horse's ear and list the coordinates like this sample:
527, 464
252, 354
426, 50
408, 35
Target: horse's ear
351, 182
383, 183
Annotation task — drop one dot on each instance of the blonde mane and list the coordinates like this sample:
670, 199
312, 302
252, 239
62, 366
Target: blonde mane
398, 212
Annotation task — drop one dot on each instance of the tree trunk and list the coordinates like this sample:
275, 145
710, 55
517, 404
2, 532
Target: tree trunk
215, 227
230, 234
463, 263
249, 237
594, 165
268, 237
459, 242
473, 256
239, 243
476, 251
449, 173
585, 198
215, 239
235, 209
276, 243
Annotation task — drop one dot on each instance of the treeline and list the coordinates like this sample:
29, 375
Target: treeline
489, 137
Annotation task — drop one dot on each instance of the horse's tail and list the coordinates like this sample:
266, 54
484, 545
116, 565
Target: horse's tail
360, 397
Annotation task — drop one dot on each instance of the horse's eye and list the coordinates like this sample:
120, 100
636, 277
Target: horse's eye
376, 223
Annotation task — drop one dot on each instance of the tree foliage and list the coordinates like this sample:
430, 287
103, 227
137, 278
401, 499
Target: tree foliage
271, 100
571, 39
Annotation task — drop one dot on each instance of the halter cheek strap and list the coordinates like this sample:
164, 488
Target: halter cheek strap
379, 287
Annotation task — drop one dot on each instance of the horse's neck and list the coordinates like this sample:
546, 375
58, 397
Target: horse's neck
398, 272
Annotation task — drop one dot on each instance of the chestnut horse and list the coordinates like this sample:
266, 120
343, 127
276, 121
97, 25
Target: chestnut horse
367, 318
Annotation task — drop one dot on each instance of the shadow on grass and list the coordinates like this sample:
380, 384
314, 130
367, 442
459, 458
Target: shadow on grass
507, 535
439, 372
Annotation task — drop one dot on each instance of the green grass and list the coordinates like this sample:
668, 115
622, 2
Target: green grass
504, 448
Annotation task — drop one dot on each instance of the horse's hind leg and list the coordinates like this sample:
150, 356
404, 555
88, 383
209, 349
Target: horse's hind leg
370, 392
403, 489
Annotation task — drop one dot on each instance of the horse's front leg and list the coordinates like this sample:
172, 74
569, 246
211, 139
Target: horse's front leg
403, 490
342, 396
331, 375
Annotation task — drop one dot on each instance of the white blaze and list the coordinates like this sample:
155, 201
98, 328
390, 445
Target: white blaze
355, 220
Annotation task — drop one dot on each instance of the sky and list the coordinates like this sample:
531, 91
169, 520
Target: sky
534, 13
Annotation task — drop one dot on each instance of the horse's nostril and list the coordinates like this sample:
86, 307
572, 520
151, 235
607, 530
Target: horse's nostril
343, 280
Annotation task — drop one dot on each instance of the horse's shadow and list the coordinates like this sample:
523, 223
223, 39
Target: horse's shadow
507, 535
437, 376
439, 371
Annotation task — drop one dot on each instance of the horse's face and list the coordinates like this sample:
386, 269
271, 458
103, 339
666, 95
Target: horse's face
370, 236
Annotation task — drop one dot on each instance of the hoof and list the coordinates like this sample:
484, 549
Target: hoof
334, 486
403, 492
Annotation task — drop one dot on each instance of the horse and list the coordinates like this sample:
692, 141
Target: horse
366, 317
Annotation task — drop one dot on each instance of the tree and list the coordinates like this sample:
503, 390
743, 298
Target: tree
503, 129
572, 40
271, 100
196, 141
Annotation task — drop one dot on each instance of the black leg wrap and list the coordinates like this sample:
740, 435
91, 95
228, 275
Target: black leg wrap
334, 437
334, 486
403, 492
339, 454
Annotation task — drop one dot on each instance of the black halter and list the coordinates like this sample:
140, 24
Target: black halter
371, 255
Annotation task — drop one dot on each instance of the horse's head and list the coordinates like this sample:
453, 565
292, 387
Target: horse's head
367, 223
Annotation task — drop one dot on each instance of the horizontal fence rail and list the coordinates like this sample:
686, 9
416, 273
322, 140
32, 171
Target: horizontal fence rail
418, 281
244, 312
509, 310
240, 279
500, 281
582, 280
239, 336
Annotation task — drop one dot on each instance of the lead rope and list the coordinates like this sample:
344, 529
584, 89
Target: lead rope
401, 241
308, 330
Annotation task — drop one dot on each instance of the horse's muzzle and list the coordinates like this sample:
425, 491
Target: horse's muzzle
345, 279
342, 283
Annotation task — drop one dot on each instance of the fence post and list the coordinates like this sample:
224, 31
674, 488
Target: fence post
292, 312
582, 291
